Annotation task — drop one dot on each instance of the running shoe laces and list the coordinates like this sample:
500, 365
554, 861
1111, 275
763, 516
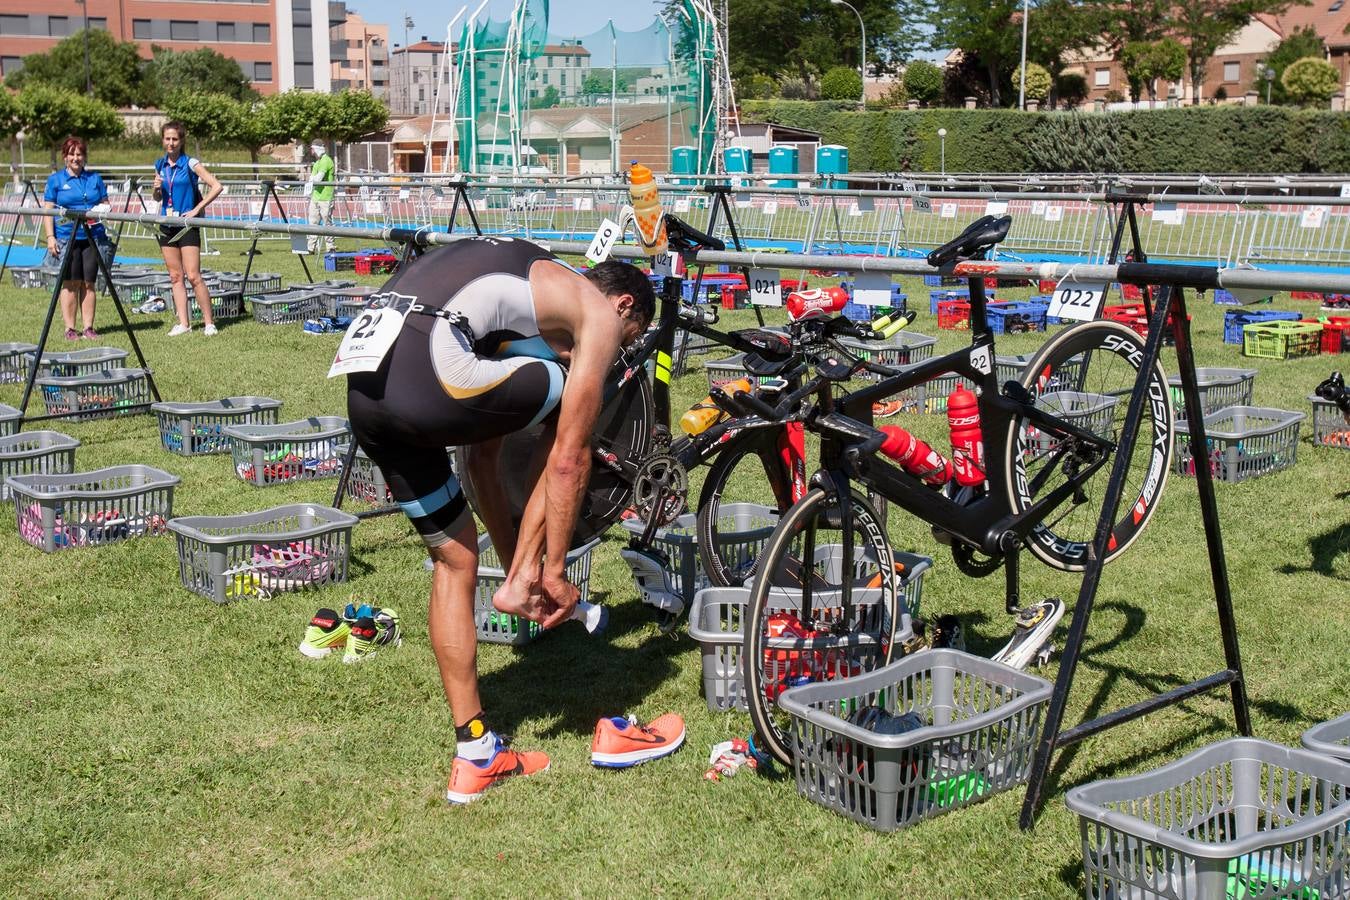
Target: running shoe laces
621, 742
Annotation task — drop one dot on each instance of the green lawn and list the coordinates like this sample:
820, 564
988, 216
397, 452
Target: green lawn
155, 743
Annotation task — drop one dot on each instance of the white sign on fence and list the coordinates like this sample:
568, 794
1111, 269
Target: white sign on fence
1038, 207
1054, 213
583, 204
949, 210
996, 207
872, 289
1313, 216
682, 204
1168, 214
766, 287
770, 207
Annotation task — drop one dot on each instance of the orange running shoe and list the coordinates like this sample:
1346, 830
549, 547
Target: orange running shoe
622, 742
884, 409
469, 779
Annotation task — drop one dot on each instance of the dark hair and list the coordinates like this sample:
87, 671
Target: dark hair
176, 126
614, 278
72, 143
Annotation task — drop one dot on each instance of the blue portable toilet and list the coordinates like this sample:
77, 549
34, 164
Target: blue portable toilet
832, 159
783, 159
684, 161
737, 160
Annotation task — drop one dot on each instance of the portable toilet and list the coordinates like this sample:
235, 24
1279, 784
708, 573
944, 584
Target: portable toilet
783, 160
832, 159
684, 161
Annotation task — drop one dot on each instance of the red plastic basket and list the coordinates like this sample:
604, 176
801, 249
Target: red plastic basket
1335, 333
375, 263
954, 315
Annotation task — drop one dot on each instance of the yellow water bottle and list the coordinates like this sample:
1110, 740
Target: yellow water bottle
705, 414
651, 226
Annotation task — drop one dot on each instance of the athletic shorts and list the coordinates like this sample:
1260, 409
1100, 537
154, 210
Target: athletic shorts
416, 405
83, 262
193, 238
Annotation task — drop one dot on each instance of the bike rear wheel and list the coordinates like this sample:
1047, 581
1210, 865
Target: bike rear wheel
1086, 375
798, 628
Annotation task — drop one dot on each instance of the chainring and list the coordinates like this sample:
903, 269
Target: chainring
660, 490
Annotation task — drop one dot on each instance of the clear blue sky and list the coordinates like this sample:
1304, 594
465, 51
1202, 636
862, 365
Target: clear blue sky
565, 16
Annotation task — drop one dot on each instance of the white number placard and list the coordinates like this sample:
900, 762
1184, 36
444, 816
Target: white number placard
872, 289
682, 204
1080, 302
996, 207
373, 207
922, 204
603, 242
766, 288
664, 264
770, 207
854, 210
403, 194
583, 204
367, 341
1168, 214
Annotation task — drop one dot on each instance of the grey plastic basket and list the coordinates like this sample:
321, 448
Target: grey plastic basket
742, 530
1091, 412
1218, 388
257, 554
287, 307
1242, 818
1330, 428
503, 628
139, 288
225, 303
1244, 442
902, 349
27, 276
194, 429
9, 419
1330, 738
289, 451
14, 361
42, 452
717, 621
366, 483
112, 392
74, 363
349, 301
81, 509
980, 720
937, 391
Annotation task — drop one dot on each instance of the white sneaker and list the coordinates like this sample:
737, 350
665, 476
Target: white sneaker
209, 330
178, 329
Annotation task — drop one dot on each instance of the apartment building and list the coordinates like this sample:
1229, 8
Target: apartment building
360, 54
280, 44
420, 79
563, 66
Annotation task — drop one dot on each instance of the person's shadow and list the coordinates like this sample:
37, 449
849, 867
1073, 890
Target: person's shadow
1325, 548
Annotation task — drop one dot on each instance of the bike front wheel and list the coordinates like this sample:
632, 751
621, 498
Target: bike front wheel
1086, 375
801, 627
732, 520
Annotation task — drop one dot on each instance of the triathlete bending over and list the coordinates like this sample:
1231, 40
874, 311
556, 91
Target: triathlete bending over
512, 337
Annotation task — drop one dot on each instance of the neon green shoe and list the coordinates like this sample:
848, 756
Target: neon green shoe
372, 633
326, 633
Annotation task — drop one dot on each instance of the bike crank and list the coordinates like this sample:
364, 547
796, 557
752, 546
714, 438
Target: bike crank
660, 490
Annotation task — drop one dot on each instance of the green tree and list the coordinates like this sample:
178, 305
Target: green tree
295, 115
202, 70
841, 83
547, 100
352, 114
9, 116
809, 37
1056, 27
1296, 46
48, 114
923, 82
1071, 88
1119, 23
1206, 25
601, 81
116, 68
1310, 81
1038, 81
983, 30
1147, 61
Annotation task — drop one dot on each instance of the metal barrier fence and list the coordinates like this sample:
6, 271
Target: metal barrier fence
1257, 230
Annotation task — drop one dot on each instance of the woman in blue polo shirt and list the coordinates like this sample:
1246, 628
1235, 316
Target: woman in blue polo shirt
74, 187
176, 189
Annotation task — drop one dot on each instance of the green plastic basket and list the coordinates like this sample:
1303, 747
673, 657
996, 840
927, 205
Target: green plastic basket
1281, 340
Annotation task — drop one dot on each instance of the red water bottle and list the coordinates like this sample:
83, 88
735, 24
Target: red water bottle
816, 302
917, 458
963, 416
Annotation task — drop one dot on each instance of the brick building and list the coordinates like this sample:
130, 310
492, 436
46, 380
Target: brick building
280, 44
360, 54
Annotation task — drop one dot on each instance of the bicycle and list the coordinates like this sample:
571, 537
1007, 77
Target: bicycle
827, 601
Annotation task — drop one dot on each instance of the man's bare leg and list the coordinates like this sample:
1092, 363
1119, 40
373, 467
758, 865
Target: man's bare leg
484, 463
520, 593
450, 624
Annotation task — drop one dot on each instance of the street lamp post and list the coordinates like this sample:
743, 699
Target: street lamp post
1268, 73
942, 148
1022, 88
19, 138
862, 57
88, 83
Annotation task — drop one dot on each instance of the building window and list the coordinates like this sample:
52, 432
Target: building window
140, 29
544, 79
562, 79
262, 33
13, 25
58, 26
10, 64
262, 72
1232, 71
225, 31
1102, 77
182, 30
100, 24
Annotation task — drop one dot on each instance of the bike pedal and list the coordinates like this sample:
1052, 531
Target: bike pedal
1043, 655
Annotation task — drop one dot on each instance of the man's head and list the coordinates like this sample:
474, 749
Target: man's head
318, 149
631, 293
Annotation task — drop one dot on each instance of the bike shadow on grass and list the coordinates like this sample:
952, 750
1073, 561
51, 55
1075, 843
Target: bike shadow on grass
1325, 548
574, 678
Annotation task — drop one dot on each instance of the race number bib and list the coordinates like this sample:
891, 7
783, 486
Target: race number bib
367, 341
1079, 302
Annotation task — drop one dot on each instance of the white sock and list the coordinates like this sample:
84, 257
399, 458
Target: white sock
478, 750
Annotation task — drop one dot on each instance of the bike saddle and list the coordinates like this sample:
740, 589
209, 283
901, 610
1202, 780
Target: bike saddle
683, 237
766, 367
770, 344
983, 233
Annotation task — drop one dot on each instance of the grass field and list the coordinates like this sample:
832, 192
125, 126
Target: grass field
155, 743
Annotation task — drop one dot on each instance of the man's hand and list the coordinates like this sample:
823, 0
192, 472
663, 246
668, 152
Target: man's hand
562, 597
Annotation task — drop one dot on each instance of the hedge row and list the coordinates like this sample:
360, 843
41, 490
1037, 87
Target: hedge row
1186, 139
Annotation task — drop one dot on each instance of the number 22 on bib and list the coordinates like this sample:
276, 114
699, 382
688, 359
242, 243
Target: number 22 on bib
367, 341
